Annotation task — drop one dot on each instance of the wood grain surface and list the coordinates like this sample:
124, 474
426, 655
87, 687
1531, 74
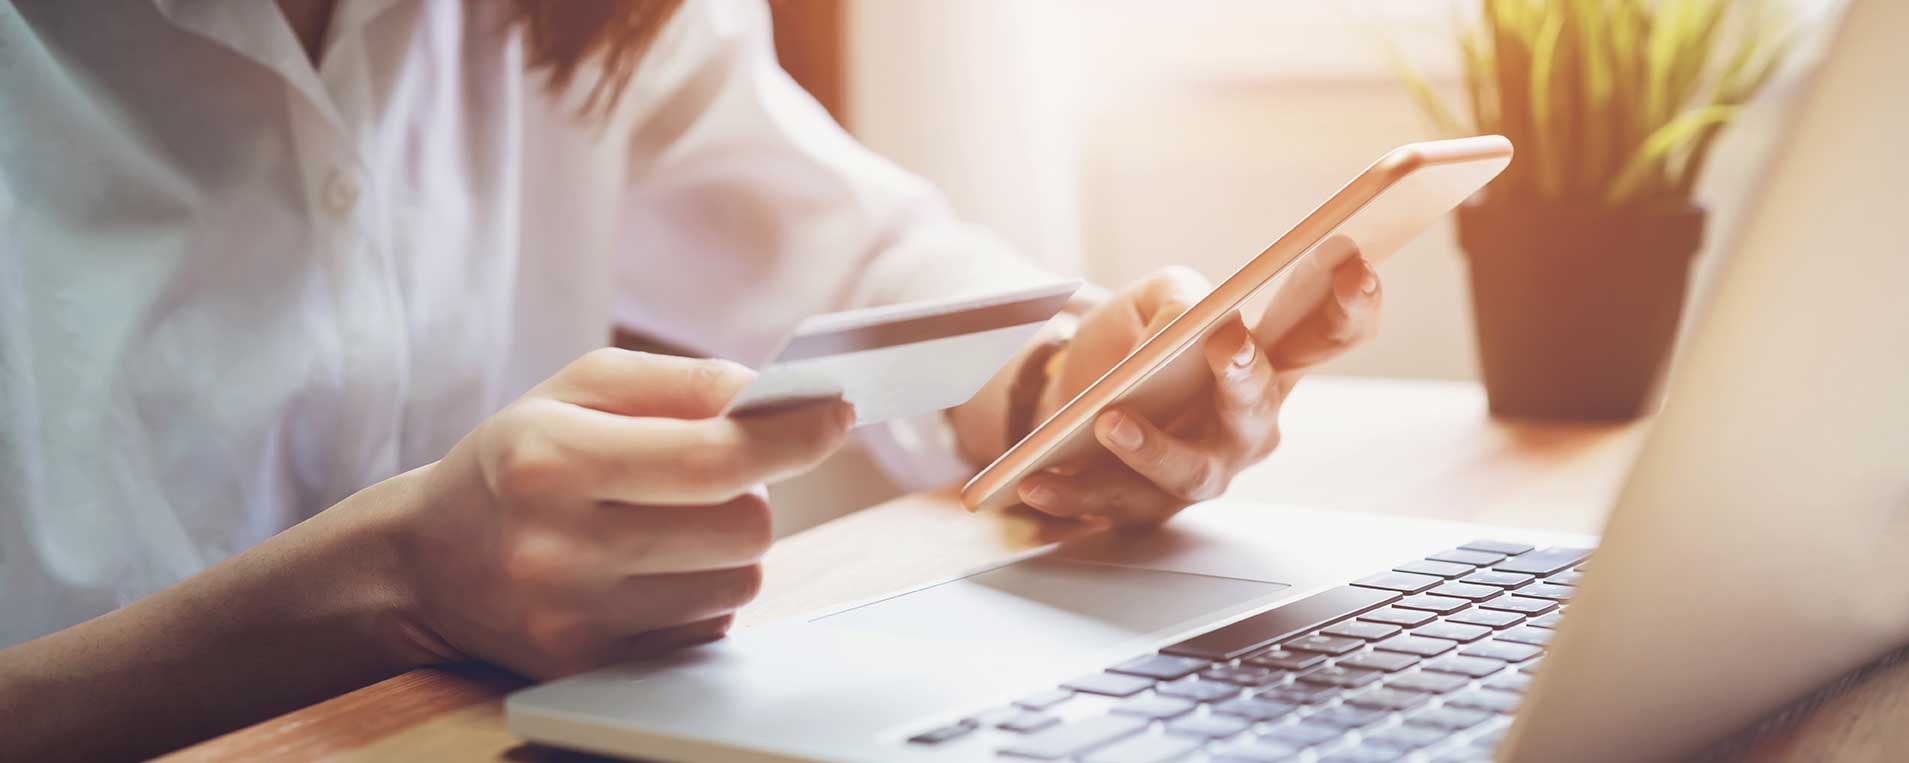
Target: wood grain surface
1404, 447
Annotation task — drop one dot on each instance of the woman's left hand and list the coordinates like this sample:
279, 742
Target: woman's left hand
1157, 468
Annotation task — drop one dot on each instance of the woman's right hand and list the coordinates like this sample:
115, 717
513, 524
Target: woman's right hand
609, 513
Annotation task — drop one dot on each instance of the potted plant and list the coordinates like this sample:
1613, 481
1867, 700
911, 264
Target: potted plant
1579, 253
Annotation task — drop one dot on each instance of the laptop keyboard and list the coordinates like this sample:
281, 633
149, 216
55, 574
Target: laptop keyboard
1422, 662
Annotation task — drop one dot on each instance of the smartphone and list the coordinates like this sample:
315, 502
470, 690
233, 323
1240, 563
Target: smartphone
1388, 204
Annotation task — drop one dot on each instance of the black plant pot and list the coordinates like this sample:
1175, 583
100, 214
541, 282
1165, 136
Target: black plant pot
1576, 308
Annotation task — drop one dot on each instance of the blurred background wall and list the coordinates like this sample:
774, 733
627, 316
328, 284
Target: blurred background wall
1112, 137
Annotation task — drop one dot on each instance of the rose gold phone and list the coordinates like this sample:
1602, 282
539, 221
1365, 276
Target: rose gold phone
1385, 206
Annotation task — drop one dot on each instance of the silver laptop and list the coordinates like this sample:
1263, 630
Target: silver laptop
1759, 550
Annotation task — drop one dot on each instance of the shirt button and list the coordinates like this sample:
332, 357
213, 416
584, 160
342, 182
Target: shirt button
341, 191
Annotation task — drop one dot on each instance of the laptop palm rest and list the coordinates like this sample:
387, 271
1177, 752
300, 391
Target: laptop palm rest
1060, 605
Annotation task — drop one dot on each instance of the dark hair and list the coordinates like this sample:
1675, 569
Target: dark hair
562, 35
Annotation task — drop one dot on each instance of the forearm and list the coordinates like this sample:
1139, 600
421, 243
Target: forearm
309, 613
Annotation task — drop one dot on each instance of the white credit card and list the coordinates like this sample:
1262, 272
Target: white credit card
902, 360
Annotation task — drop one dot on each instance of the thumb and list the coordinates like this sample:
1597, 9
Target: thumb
1167, 296
629, 383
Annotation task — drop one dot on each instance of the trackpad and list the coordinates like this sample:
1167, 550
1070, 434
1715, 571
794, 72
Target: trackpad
1067, 607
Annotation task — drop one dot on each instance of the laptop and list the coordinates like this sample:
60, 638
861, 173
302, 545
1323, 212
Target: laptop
1760, 549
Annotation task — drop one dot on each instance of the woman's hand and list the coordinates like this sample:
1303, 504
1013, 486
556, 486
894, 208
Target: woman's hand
608, 513
1156, 468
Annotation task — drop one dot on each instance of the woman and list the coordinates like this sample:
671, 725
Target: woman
297, 309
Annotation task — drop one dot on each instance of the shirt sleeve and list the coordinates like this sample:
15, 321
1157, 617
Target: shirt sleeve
749, 209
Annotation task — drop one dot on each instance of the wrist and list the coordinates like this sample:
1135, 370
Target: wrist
383, 552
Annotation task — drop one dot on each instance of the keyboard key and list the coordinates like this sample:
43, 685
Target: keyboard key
1502, 650
1259, 751
1476, 667
1520, 605
1044, 700
1502, 702
1333, 645
1364, 753
1512, 682
1109, 684
1533, 636
1468, 591
1467, 556
1396, 616
1070, 739
1548, 591
1423, 647
1451, 631
1284, 622
1157, 708
1145, 749
1406, 737
1254, 709
1198, 690
1499, 579
1544, 561
942, 734
1304, 734
1362, 630
1449, 718
1548, 621
1347, 717
1298, 694
1567, 577
1027, 722
1443, 605
1165, 667
1388, 699
1340, 677
1208, 726
1430, 683
1390, 662
1490, 618
1403, 582
1244, 675
1285, 660
1498, 547
1430, 567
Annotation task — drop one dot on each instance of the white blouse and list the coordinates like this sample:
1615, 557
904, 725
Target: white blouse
235, 288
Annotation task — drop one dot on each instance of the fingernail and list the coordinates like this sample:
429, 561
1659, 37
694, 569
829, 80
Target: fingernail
1038, 494
845, 414
1125, 433
1243, 356
1369, 283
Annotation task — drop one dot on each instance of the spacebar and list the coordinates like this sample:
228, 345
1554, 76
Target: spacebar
1281, 623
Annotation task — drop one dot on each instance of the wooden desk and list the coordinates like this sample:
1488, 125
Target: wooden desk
1416, 448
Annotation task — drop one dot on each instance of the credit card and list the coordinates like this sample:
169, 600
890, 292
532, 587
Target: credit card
896, 361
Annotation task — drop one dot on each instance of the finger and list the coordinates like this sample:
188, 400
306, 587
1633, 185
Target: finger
631, 383
644, 603
1186, 469
679, 462
1167, 295
1349, 313
647, 540
619, 649
669, 639
1115, 494
1246, 397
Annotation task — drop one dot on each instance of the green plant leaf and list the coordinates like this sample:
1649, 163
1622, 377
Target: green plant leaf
1642, 168
1547, 144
